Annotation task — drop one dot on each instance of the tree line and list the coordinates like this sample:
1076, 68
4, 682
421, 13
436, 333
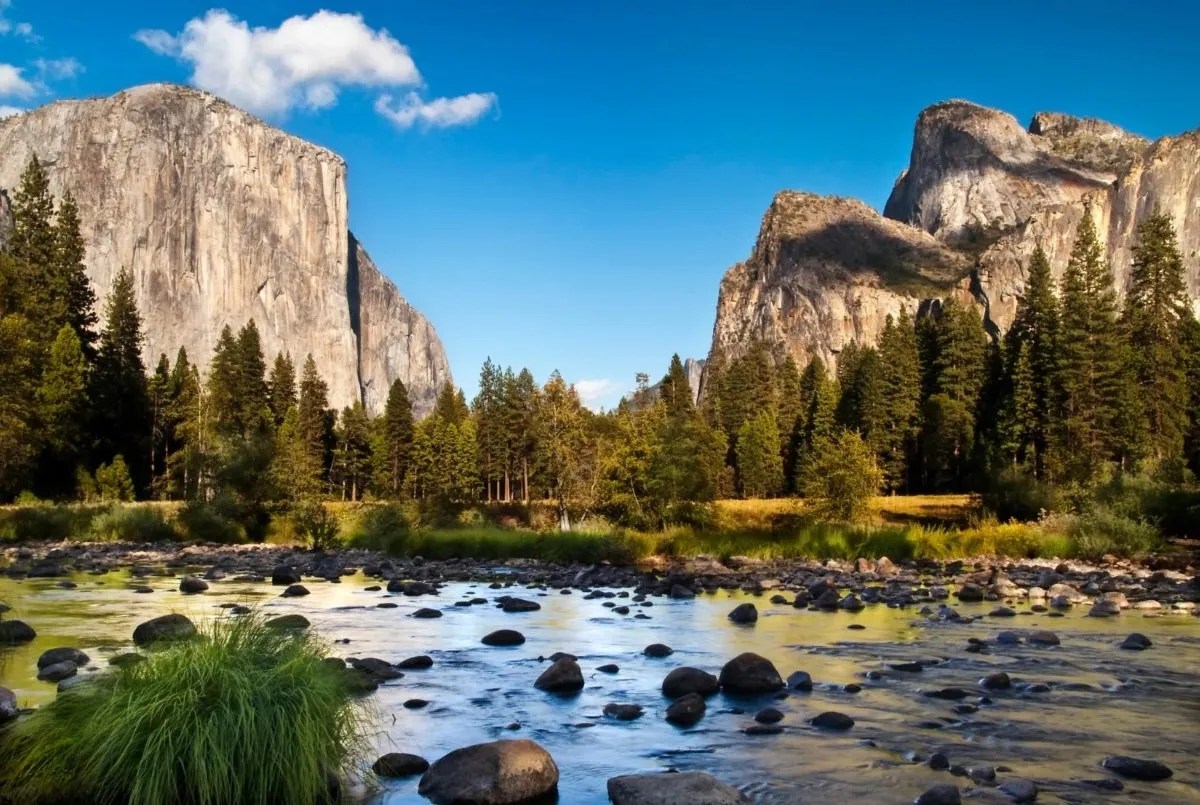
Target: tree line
1080, 386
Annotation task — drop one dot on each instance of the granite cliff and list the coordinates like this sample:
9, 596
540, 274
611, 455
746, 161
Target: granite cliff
980, 192
222, 218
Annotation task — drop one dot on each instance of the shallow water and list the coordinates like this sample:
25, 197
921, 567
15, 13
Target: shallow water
1145, 704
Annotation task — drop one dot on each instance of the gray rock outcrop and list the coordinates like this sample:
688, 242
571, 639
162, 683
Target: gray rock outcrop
222, 218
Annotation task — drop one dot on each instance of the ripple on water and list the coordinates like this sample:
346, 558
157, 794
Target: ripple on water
1099, 700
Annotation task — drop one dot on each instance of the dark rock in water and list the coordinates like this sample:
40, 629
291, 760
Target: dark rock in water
1020, 790
800, 680
494, 773
386, 605
1008, 639
293, 621
609, 668
852, 688
744, 613
950, 694
58, 671
907, 667
283, 575
750, 674
504, 637
851, 603
684, 788
1105, 784
163, 629
658, 650
1136, 642
982, 774
679, 591
1105, 609
683, 681
563, 676
970, 593
558, 655
337, 663
686, 710
413, 588
764, 729
996, 681
142, 589
8, 706
57, 655
832, 721
374, 588
623, 712
295, 591
622, 610
239, 609
779, 599
939, 762
426, 612
192, 584
377, 668
400, 764
358, 681
828, 600
1137, 768
127, 659
1003, 612
768, 715
940, 794
418, 662
858, 627
1042, 638
520, 605
415, 704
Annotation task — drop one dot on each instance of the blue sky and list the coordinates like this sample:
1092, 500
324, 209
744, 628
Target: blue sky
592, 168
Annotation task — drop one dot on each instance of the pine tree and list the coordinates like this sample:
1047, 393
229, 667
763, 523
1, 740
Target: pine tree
32, 243
759, 465
253, 407
18, 403
487, 408
119, 388
559, 425
187, 429
747, 387
62, 394
397, 428
676, 391
312, 431
1090, 373
224, 379
900, 382
158, 389
862, 403
281, 387
451, 405
950, 414
818, 407
1156, 310
787, 381
69, 254
352, 461
520, 406
1191, 347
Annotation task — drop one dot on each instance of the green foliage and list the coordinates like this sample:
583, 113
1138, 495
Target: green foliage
381, 528
394, 451
121, 402
894, 438
187, 724
316, 525
205, 522
352, 456
281, 387
1016, 493
842, 477
1099, 531
113, 482
760, 467
141, 523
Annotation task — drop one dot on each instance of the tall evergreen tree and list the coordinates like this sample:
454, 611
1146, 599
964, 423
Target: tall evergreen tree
119, 389
520, 406
397, 428
352, 460
760, 467
818, 411
69, 253
787, 381
158, 389
189, 417
900, 383
254, 413
676, 391
950, 413
488, 408
224, 384
281, 387
32, 242
559, 423
18, 389
1157, 308
312, 432
62, 396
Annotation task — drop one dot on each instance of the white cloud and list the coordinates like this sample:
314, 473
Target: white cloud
601, 392
9, 111
57, 69
304, 63
439, 113
13, 84
21, 29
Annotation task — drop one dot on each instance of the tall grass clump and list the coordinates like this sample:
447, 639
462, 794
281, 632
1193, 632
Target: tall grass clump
132, 524
242, 714
380, 528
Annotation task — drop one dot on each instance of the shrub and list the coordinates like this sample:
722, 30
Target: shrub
842, 477
316, 525
46, 522
381, 528
205, 523
1015, 494
1100, 530
246, 714
132, 524
113, 481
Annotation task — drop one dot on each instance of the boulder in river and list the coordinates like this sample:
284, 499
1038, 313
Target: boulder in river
940, 794
1137, 768
496, 773
662, 788
284, 575
744, 613
504, 637
800, 680
832, 720
750, 673
293, 621
682, 681
970, 593
295, 591
563, 676
16, 632
623, 712
400, 764
1021, 791
520, 605
8, 706
998, 680
64, 654
164, 628
426, 613
419, 662
58, 671
686, 710
190, 585
1136, 642
381, 670
658, 650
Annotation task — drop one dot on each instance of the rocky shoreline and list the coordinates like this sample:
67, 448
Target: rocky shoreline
1109, 588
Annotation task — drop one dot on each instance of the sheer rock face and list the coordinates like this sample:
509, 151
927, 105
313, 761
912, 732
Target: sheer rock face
222, 219
979, 194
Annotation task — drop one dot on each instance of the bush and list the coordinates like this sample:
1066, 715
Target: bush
46, 522
316, 525
1101, 530
113, 481
132, 524
1015, 494
206, 523
842, 477
246, 714
381, 528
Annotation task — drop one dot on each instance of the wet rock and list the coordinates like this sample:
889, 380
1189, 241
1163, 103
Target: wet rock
359, 682
800, 680
658, 650
563, 676
57, 655
939, 762
852, 688
832, 720
682, 681
1136, 642
520, 605
982, 774
750, 673
1002, 612
970, 593
417, 663
768, 715
684, 788
295, 591
609, 668
400, 764
496, 773
996, 681
779, 599
907, 667
426, 612
293, 621
940, 794
1008, 639
1042, 638
378, 669
58, 671
504, 637
165, 628
191, 585
679, 591
851, 603
1020, 790
623, 712
744, 613
284, 575
127, 659
686, 710
1137, 768
1104, 609
415, 704
8, 706
949, 694
827, 600
763, 729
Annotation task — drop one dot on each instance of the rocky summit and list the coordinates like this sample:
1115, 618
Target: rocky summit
963, 219
221, 219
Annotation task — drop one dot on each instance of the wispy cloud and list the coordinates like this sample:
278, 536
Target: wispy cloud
57, 69
304, 63
21, 29
15, 85
9, 111
599, 393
